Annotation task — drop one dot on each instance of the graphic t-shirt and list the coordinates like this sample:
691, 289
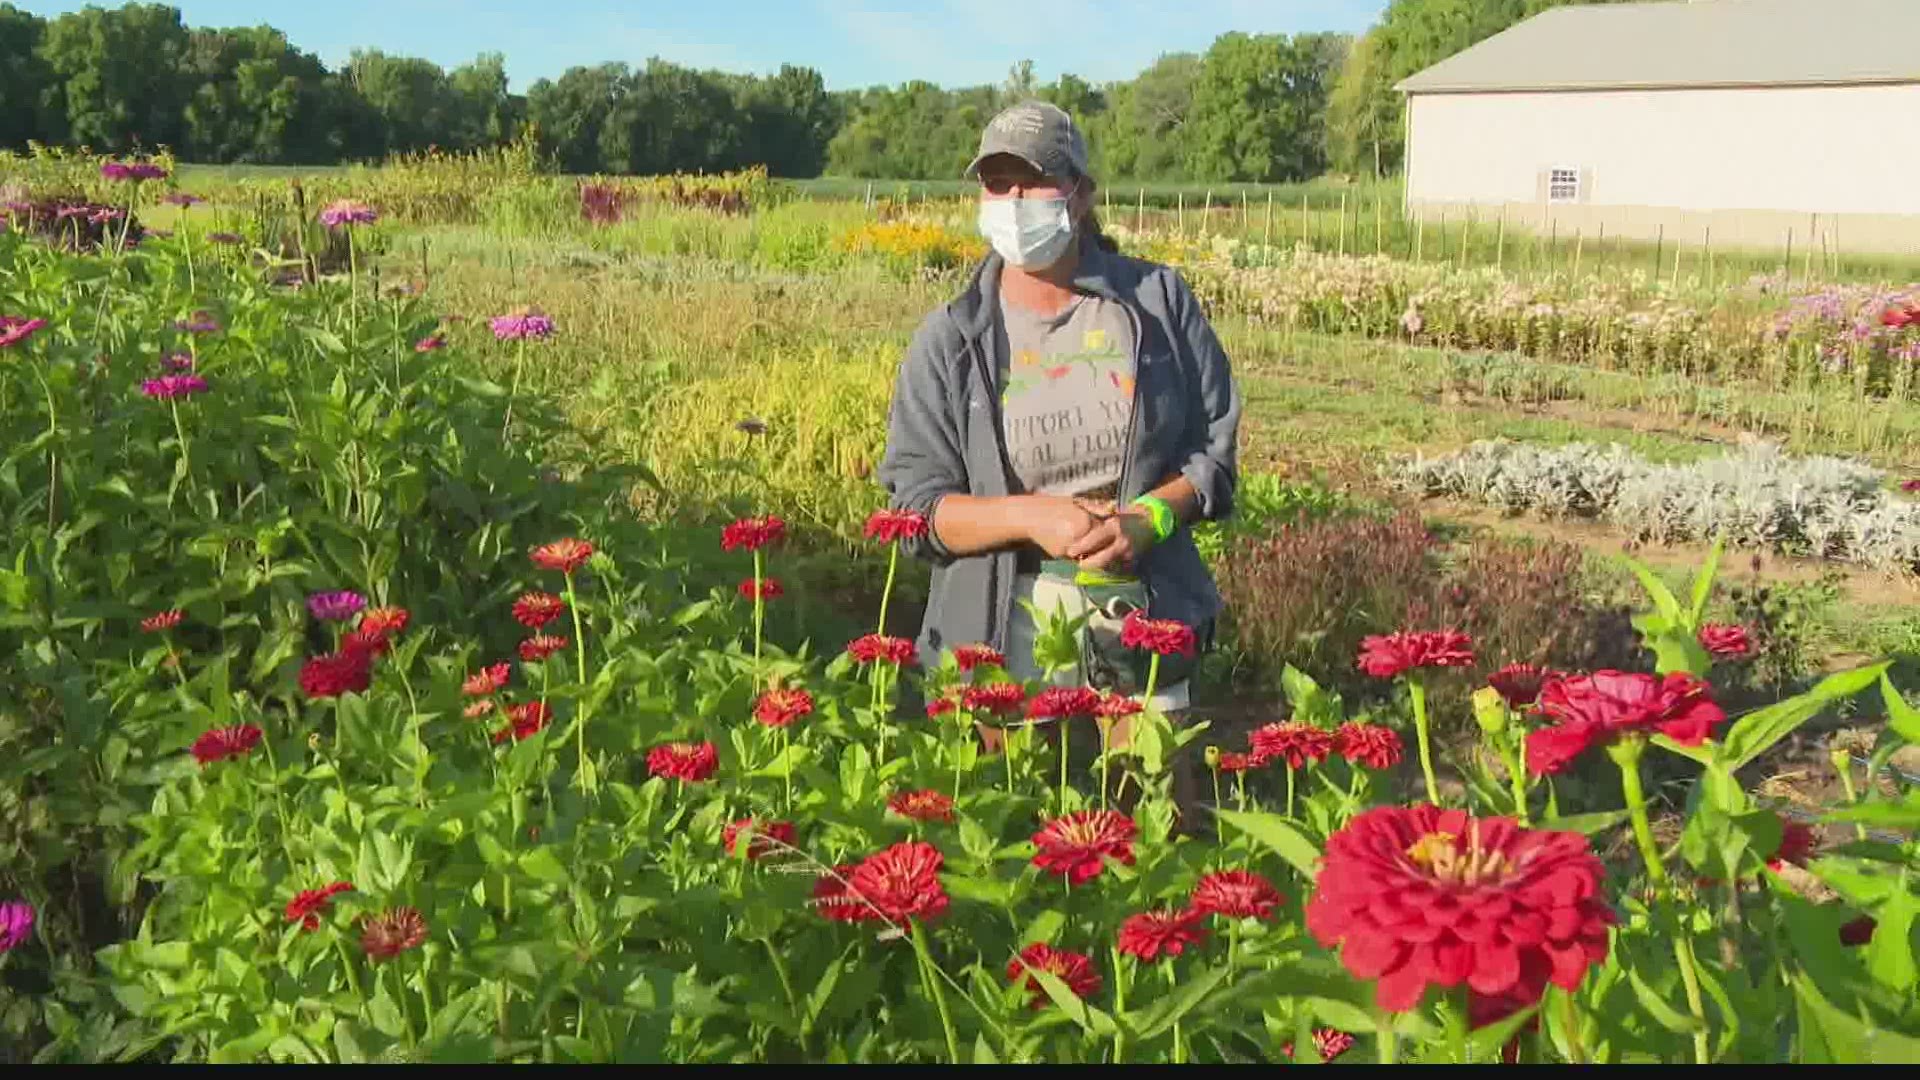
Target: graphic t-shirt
1067, 396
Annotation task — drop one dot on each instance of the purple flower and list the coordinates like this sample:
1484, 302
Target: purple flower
336, 606
182, 198
224, 238
347, 212
168, 387
135, 171
15, 329
521, 325
177, 361
1910, 486
100, 215
16, 922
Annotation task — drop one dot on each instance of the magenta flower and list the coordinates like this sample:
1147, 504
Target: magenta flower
336, 606
347, 212
521, 325
134, 171
178, 361
168, 387
15, 329
16, 922
201, 323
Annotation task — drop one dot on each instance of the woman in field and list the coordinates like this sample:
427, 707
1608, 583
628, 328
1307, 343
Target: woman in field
1060, 424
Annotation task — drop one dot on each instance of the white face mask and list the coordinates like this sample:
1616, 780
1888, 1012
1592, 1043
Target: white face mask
1027, 232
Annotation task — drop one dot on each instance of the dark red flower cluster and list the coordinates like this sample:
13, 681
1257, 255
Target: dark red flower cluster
1797, 844
878, 648
488, 680
781, 707
764, 837
223, 743
565, 555
393, 932
1164, 636
1293, 742
1063, 703
1077, 845
1859, 931
969, 657
691, 762
897, 884
1895, 317
524, 721
162, 620
1150, 935
1071, 968
766, 589
928, 805
892, 526
1389, 655
540, 646
1593, 710
752, 534
999, 699
1235, 894
1519, 684
307, 905
942, 706
372, 643
1327, 1042
1422, 896
1725, 641
534, 610
1371, 745
349, 671
1232, 761
1117, 706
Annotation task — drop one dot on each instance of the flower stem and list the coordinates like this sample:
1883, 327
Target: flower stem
1153, 677
1006, 751
1389, 1041
786, 771
186, 458
1066, 728
1517, 774
588, 783
1290, 772
1216, 804
759, 615
1105, 742
933, 989
1418, 691
519, 363
1626, 754
886, 593
1119, 1006
1843, 766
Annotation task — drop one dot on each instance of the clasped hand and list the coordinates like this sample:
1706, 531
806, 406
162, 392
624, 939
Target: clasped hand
1096, 535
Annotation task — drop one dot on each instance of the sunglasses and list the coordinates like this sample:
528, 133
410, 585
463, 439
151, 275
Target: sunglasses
1001, 184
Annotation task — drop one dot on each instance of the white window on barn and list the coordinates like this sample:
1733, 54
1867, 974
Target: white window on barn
1563, 185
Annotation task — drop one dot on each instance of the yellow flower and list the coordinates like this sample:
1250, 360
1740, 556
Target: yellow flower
1094, 341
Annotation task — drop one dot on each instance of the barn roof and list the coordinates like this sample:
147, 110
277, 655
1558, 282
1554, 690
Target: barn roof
1704, 43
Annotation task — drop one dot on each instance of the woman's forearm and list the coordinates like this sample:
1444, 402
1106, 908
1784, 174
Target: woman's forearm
971, 524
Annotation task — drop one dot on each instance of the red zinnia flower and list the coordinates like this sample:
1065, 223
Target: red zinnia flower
1003, 699
1895, 318
1152, 934
1385, 656
367, 643
892, 526
308, 904
763, 835
1327, 1042
162, 620
1797, 842
778, 708
527, 720
1371, 745
876, 647
1725, 641
1519, 684
430, 343
752, 534
541, 646
1072, 846
832, 900
222, 743
942, 706
385, 621
486, 681
922, 805
1418, 895
692, 762
969, 657
1116, 706
1164, 636
902, 882
15, 329
1293, 742
769, 589
536, 609
1594, 709
565, 555
393, 932
1858, 932
1063, 703
1071, 968
478, 709
349, 671
1232, 761
1236, 894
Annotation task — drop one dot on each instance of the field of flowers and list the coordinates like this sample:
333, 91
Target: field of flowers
354, 715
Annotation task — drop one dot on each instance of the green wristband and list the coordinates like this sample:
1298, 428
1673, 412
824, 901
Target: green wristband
1160, 514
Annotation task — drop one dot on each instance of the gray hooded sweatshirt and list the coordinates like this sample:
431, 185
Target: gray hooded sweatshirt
945, 437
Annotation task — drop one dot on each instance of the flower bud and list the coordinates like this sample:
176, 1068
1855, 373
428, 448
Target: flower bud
1490, 710
1842, 760
313, 742
1213, 757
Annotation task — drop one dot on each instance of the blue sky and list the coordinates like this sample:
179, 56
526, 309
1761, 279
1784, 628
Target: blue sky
852, 43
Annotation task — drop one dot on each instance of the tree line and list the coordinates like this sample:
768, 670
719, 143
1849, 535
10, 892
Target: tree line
1252, 107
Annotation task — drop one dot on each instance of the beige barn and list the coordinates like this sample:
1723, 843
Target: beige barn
1758, 123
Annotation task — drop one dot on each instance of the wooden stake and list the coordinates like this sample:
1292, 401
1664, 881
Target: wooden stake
1266, 231
1181, 206
1659, 241
1343, 225
1206, 215
1379, 244
1677, 248
1306, 223
1706, 255
1419, 239
1579, 247
1140, 212
1500, 243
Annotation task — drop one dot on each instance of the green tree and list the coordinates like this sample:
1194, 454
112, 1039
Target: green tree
1142, 133
119, 75
1257, 107
572, 112
24, 81
256, 99
412, 97
483, 111
789, 119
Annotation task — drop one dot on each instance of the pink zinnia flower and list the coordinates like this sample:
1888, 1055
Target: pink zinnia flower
1388, 655
336, 606
15, 329
1725, 641
16, 924
520, 326
347, 212
168, 387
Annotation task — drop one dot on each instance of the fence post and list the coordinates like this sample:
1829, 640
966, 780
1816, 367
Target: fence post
1788, 264
1378, 242
1659, 242
1243, 212
1266, 231
1206, 215
1500, 243
1579, 248
1180, 208
1306, 222
1420, 240
1706, 255
1678, 247
1140, 212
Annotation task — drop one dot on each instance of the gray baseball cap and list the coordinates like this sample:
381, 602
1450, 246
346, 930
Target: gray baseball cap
1039, 133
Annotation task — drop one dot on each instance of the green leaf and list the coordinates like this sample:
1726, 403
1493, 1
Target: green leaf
1091, 1020
245, 1049
1172, 1008
1283, 839
1861, 883
1852, 1040
542, 864
1043, 927
1702, 753
1703, 582
1663, 598
1890, 953
1486, 1042
1903, 718
1752, 734
1586, 824
1662, 1013
982, 1052
1904, 814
